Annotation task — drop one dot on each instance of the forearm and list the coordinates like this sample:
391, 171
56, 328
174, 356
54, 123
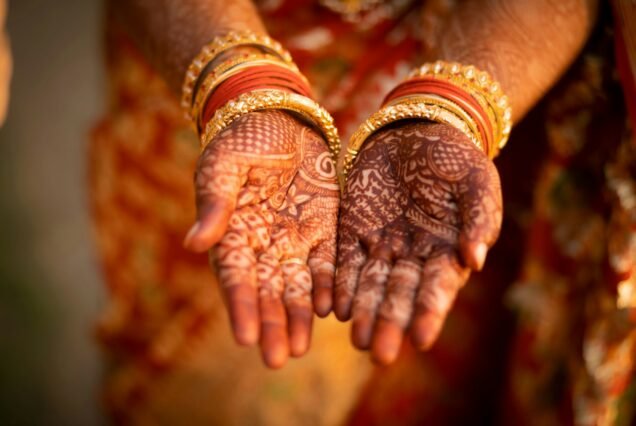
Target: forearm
524, 44
170, 33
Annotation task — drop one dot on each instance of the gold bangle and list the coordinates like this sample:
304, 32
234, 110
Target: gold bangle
219, 45
466, 124
259, 100
480, 85
228, 69
407, 109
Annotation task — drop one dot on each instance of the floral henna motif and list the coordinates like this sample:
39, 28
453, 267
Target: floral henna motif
267, 200
421, 207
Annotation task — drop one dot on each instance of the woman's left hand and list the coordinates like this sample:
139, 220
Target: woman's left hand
421, 207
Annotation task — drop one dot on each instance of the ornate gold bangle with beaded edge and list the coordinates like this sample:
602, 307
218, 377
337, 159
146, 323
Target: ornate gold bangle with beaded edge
483, 88
217, 46
260, 100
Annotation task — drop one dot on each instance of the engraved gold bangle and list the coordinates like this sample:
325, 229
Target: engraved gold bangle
480, 85
228, 69
259, 100
403, 110
466, 124
219, 45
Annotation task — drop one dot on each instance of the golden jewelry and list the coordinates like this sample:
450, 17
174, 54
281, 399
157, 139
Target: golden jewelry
228, 69
402, 109
221, 44
259, 100
468, 123
480, 85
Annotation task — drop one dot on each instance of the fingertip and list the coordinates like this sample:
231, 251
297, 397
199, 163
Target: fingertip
342, 308
387, 342
275, 357
209, 229
274, 345
298, 345
300, 323
243, 312
323, 301
479, 255
425, 330
362, 331
474, 254
187, 241
246, 334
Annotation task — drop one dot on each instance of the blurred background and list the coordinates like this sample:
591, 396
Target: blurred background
50, 290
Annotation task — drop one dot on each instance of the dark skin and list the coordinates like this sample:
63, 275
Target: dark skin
421, 207
385, 300
266, 189
429, 220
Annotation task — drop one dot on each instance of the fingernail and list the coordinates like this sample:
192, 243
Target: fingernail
480, 255
191, 233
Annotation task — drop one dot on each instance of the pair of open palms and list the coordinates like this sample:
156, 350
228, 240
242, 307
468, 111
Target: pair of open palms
420, 209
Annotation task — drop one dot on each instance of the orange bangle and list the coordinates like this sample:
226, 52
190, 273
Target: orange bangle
446, 90
255, 78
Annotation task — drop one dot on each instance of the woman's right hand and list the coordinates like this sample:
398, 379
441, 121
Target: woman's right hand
267, 202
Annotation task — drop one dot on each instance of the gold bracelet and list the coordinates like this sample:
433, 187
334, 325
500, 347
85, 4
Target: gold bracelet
396, 112
466, 124
221, 44
228, 69
481, 86
259, 100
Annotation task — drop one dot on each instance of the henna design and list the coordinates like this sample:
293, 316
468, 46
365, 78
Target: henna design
421, 207
266, 193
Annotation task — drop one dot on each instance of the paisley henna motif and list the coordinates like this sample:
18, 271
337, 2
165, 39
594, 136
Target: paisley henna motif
267, 201
421, 207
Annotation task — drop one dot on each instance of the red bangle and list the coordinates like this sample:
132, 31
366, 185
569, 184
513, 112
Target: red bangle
428, 85
254, 78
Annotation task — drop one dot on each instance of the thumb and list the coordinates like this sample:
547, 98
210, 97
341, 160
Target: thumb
481, 210
217, 183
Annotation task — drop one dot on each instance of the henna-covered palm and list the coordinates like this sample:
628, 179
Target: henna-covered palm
422, 206
267, 201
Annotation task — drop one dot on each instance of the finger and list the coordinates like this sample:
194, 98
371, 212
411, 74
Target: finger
441, 278
351, 258
274, 342
217, 184
395, 311
236, 263
297, 298
481, 210
368, 296
321, 262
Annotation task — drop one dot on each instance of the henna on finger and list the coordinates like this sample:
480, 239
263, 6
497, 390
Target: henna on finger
441, 279
282, 186
270, 183
274, 339
369, 295
427, 192
236, 262
395, 310
297, 299
321, 262
351, 259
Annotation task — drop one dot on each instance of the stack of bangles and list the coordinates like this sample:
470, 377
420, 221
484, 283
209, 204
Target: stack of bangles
242, 72
460, 96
